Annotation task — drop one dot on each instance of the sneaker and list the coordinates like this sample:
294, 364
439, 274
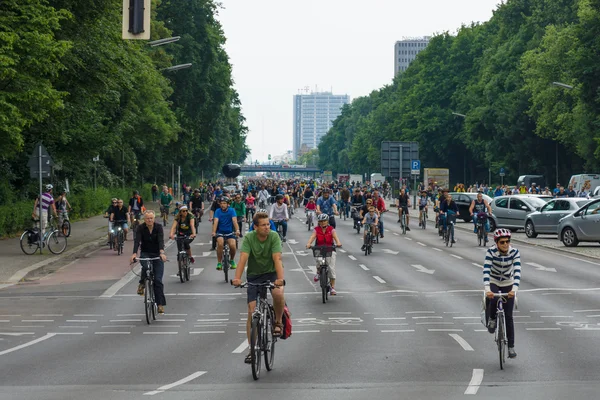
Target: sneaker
398, 220
161, 310
316, 278
453, 241
491, 325
474, 230
332, 292
364, 246
219, 266
192, 260
407, 228
284, 239
140, 290
233, 265
512, 353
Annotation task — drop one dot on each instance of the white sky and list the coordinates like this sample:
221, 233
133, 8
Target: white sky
279, 46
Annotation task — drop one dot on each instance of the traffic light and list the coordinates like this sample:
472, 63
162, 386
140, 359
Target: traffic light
136, 19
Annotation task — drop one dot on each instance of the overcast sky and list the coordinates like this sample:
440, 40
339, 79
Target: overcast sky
279, 46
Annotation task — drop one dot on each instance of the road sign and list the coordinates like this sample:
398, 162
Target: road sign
34, 162
415, 167
502, 171
396, 158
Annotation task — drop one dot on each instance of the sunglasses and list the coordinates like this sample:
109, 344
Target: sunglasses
503, 241
184, 211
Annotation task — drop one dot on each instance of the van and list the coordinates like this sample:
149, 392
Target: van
527, 180
377, 179
578, 181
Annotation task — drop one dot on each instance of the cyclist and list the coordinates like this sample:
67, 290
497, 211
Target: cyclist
480, 205
197, 205
448, 207
263, 197
379, 205
136, 205
311, 207
47, 203
371, 218
308, 193
240, 211
264, 211
250, 206
62, 206
325, 235
107, 213
502, 273
184, 225
279, 214
225, 224
261, 251
165, 201
327, 205
403, 204
119, 213
151, 238
422, 204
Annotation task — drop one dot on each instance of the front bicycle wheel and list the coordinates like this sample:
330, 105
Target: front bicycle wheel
57, 243
147, 301
424, 222
324, 284
66, 228
226, 267
451, 234
153, 301
268, 339
255, 350
28, 245
187, 271
404, 224
181, 266
501, 343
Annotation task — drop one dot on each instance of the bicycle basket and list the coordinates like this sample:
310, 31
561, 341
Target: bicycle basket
482, 217
323, 251
451, 218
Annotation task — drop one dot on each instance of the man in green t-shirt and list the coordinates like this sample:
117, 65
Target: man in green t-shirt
240, 211
261, 250
165, 202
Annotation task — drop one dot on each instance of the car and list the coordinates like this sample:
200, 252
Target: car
463, 201
545, 220
581, 226
511, 211
545, 197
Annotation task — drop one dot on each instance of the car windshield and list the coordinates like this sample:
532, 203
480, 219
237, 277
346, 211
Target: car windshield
582, 203
536, 202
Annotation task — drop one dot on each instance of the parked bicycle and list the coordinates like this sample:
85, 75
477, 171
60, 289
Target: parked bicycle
52, 238
321, 253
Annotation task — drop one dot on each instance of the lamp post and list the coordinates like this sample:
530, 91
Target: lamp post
160, 42
464, 158
568, 87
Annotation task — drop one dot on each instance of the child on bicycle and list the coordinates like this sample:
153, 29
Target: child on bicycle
372, 219
311, 207
325, 235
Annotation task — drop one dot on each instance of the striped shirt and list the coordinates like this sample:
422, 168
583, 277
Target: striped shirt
47, 201
502, 270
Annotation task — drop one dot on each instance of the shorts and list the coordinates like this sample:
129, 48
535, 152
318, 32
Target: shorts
253, 290
184, 243
404, 208
421, 208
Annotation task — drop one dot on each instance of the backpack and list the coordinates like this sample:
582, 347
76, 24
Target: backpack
286, 320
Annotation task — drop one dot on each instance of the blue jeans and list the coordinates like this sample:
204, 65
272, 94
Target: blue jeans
445, 219
486, 226
284, 225
159, 269
381, 225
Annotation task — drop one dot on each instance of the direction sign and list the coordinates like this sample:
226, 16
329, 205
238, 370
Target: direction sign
502, 171
415, 167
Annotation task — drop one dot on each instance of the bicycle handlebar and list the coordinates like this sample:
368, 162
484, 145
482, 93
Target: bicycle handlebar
270, 284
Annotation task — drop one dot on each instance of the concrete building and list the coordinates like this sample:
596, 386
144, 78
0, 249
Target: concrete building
314, 114
406, 50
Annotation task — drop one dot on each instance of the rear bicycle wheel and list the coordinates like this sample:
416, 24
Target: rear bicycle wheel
28, 245
255, 348
403, 224
147, 301
187, 271
57, 243
268, 339
324, 284
66, 228
451, 227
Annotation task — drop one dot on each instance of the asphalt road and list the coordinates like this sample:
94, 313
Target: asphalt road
405, 324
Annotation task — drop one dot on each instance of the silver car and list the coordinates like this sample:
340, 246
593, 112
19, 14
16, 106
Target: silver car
546, 219
581, 226
511, 211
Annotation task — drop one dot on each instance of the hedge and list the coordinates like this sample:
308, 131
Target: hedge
16, 217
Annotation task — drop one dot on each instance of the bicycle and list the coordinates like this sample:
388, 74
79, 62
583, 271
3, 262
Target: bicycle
183, 260
310, 215
279, 225
150, 307
226, 261
53, 238
262, 340
65, 224
135, 221
291, 208
449, 231
423, 219
321, 253
500, 334
118, 235
164, 214
403, 221
481, 234
368, 240
356, 217
198, 213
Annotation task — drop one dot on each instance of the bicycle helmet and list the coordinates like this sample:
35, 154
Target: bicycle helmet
323, 217
225, 199
262, 210
49, 187
279, 197
177, 204
500, 233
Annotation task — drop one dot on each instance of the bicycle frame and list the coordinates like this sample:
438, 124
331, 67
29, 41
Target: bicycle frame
150, 306
500, 335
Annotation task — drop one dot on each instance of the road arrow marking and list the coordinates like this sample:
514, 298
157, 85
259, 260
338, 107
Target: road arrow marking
539, 267
388, 251
301, 253
421, 268
195, 272
292, 241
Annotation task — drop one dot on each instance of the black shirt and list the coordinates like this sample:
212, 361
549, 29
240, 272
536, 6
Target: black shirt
357, 200
197, 202
403, 200
152, 242
120, 214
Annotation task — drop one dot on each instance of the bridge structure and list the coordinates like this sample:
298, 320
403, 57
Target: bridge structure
284, 169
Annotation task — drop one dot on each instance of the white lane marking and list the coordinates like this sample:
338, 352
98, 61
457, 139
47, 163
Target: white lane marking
539, 267
444, 330
428, 317
117, 326
378, 279
130, 315
17, 333
476, 380
436, 249
4, 320
241, 347
543, 329
349, 330
466, 346
112, 333
435, 323
300, 266
82, 320
467, 317
199, 332
421, 244
125, 320
37, 320
213, 320
215, 315
307, 331
74, 326
420, 312
396, 234
397, 330
18, 315
46, 315
177, 315
592, 316
388, 251
398, 324
160, 333
517, 316
407, 238
342, 318
164, 326
170, 320
478, 265
66, 333
28, 326
22, 346
88, 315
214, 325
341, 250
363, 266
352, 257
421, 268
586, 310
455, 256
334, 312
179, 382
556, 316
388, 318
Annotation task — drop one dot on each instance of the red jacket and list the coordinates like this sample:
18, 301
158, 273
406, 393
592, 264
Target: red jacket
324, 238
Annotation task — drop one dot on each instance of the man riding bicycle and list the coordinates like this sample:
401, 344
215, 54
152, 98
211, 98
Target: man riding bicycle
327, 205
225, 225
403, 204
480, 206
448, 207
165, 202
502, 273
197, 205
279, 214
261, 251
325, 235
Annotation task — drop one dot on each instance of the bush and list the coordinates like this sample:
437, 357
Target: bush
16, 217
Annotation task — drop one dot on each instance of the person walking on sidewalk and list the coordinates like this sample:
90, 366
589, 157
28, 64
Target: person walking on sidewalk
154, 193
150, 238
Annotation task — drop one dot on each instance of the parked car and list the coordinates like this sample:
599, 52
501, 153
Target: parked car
544, 197
511, 211
546, 219
463, 201
581, 226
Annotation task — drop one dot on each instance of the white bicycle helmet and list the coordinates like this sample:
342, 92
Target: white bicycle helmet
49, 187
323, 217
262, 210
500, 233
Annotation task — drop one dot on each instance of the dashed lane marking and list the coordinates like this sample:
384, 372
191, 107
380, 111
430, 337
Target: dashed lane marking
179, 382
241, 347
455, 256
436, 249
421, 244
363, 266
397, 330
352, 257
476, 380
466, 346
378, 279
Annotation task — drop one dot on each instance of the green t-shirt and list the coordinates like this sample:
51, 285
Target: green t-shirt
260, 254
240, 208
165, 199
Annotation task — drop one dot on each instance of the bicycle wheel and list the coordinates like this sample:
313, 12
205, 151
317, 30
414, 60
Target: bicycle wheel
451, 227
56, 242
147, 301
153, 302
255, 350
268, 339
187, 271
181, 267
501, 344
424, 222
66, 228
367, 243
447, 236
403, 224
324, 284
480, 235
226, 267
28, 245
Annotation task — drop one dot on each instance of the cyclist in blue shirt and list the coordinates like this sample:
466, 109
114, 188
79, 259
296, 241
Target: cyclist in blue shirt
327, 205
225, 225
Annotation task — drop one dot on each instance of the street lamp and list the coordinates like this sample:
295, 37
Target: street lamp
464, 158
562, 85
160, 42
177, 67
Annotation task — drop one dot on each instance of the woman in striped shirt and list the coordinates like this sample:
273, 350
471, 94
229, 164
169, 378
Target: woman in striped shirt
502, 273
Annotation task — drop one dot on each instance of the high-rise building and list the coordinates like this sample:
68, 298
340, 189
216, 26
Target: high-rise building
314, 114
406, 50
